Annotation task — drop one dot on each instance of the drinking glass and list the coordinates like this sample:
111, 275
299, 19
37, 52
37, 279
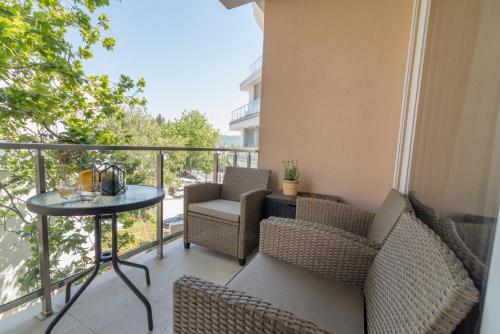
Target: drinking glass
67, 190
89, 191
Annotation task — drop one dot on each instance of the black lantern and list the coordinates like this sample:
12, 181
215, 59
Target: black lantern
111, 177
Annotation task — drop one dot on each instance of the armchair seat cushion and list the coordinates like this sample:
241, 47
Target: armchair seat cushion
332, 306
219, 208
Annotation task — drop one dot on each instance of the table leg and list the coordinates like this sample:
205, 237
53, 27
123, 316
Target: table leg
136, 265
97, 261
70, 283
115, 260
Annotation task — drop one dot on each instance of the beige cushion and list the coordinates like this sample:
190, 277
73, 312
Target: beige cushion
333, 306
386, 217
219, 208
416, 284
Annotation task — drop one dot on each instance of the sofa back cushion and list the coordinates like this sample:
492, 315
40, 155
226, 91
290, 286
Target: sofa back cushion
416, 284
386, 217
238, 181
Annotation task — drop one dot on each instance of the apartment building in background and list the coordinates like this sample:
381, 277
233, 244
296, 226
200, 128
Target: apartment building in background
246, 119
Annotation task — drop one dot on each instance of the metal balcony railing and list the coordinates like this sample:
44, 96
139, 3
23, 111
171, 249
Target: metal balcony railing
36, 157
248, 110
256, 65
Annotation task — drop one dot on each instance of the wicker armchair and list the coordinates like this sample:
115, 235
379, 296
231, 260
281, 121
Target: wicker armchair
225, 217
415, 284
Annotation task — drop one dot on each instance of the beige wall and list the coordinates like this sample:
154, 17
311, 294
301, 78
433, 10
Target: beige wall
456, 166
332, 88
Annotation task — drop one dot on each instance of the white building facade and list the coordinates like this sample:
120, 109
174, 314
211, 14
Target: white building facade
246, 118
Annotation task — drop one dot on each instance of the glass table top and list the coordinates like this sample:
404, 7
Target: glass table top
136, 197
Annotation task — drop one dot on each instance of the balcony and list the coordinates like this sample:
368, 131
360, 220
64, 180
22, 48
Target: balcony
246, 116
339, 99
254, 76
256, 65
55, 268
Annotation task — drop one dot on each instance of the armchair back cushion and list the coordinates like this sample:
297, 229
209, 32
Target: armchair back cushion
416, 283
387, 216
238, 181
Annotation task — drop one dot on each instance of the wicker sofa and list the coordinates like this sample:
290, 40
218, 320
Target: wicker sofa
312, 277
225, 217
471, 242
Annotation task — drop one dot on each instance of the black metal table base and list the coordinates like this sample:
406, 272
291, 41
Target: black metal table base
97, 264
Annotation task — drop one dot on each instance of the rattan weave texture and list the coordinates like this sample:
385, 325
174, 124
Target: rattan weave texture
245, 185
238, 181
328, 251
344, 216
416, 284
201, 307
447, 230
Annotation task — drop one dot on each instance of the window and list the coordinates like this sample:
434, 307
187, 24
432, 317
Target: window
257, 90
456, 158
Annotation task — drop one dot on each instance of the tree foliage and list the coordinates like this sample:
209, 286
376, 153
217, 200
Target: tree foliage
46, 96
195, 131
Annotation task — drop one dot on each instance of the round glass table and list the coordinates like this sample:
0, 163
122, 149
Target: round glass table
102, 207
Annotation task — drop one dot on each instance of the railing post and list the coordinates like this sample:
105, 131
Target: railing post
249, 160
235, 159
43, 240
216, 168
159, 207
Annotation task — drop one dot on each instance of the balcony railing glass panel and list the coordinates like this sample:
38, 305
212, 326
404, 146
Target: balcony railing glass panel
256, 65
24, 254
250, 109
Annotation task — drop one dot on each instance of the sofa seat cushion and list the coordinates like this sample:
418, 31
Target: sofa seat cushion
219, 208
331, 305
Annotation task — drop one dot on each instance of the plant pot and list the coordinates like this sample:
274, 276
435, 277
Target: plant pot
290, 188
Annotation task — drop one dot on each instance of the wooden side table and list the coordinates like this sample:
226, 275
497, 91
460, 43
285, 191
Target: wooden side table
279, 205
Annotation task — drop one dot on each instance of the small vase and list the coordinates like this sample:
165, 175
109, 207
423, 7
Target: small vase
290, 188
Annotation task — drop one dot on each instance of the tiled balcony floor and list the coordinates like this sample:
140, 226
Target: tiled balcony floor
108, 306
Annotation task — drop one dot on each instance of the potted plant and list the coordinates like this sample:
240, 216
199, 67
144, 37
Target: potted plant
290, 178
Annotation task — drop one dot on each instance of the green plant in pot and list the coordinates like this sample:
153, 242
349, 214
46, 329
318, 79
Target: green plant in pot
290, 178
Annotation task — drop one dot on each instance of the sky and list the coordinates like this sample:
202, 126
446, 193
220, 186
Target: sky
193, 54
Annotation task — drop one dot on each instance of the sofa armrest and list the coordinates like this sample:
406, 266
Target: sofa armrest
201, 192
252, 209
336, 214
204, 307
328, 251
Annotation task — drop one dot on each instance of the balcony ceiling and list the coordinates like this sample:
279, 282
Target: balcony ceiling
234, 3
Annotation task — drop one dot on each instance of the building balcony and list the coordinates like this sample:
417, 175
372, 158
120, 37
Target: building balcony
338, 98
256, 65
246, 116
255, 75
104, 305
